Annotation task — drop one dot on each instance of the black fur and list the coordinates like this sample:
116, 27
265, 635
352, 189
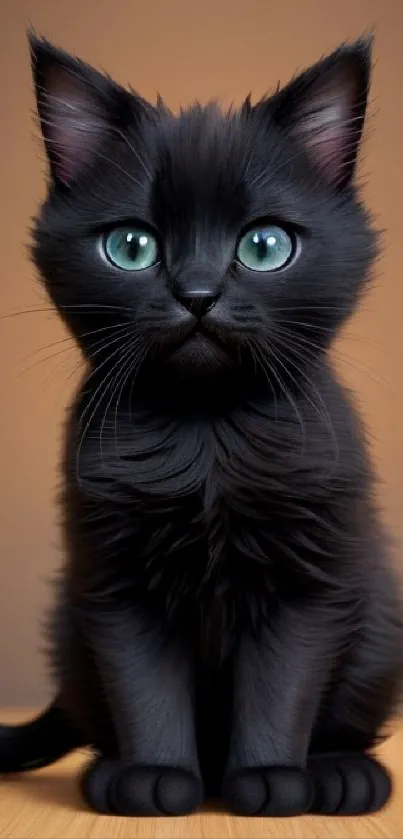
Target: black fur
227, 618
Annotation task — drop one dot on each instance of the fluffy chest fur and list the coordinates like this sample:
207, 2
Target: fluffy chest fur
214, 516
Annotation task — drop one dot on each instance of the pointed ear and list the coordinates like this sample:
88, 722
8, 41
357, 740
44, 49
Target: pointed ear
77, 106
324, 110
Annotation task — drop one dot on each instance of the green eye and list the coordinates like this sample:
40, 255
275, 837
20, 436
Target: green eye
265, 248
131, 248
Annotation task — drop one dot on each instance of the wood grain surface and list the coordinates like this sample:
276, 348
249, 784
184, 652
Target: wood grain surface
46, 805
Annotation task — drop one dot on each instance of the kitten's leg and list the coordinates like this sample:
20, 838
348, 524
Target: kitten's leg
347, 780
278, 683
148, 682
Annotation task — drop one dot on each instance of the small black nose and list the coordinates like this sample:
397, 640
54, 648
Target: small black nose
197, 302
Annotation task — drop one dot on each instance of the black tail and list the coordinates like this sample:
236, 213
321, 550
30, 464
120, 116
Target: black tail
38, 743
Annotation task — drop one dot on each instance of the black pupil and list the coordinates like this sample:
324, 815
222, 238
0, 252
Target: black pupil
131, 246
261, 247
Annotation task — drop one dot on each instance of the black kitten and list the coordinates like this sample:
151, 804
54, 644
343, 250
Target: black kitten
226, 621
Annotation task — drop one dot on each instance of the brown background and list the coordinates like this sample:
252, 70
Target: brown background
186, 50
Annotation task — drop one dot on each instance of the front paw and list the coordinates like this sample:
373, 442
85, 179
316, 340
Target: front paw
349, 784
110, 786
268, 791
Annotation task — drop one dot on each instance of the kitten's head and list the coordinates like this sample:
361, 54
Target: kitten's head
203, 244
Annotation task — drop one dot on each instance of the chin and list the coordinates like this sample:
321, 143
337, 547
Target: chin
199, 357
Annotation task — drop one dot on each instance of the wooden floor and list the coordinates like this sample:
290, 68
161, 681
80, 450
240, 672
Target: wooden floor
45, 805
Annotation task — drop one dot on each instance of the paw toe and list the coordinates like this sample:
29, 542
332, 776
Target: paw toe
178, 792
268, 791
246, 793
96, 784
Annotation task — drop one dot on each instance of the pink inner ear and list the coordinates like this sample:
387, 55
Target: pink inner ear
74, 124
326, 138
74, 142
327, 127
